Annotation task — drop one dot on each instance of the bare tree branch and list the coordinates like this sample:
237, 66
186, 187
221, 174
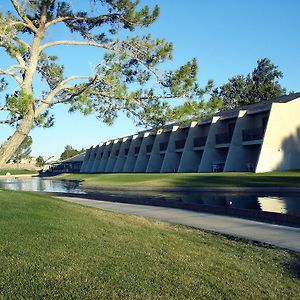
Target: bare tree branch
4, 108
9, 72
8, 122
15, 38
23, 16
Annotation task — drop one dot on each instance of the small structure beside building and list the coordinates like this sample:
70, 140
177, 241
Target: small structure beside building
70, 165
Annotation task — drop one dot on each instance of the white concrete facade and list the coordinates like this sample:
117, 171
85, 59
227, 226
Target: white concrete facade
260, 137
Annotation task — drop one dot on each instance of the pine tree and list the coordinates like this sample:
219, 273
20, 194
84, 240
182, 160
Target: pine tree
122, 81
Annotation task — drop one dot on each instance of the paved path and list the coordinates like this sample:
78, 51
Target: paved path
278, 235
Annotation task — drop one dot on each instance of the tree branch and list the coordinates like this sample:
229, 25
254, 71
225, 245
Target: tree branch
9, 72
4, 108
18, 56
103, 18
15, 38
111, 47
23, 16
48, 101
8, 122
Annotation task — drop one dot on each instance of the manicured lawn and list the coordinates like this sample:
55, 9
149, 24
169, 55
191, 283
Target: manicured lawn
282, 179
51, 249
17, 171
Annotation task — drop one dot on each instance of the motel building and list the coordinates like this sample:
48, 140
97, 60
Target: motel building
260, 137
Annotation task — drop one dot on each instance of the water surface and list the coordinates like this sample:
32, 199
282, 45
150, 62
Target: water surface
276, 203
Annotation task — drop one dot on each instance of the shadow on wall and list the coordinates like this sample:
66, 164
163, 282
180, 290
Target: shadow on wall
291, 153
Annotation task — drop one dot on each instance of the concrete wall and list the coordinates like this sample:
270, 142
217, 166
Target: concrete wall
210, 154
157, 155
97, 159
144, 155
85, 160
106, 151
92, 157
119, 165
191, 156
275, 147
173, 156
281, 145
132, 155
215, 153
113, 156
243, 155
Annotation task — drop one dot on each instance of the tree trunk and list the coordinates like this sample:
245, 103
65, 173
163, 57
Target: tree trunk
12, 144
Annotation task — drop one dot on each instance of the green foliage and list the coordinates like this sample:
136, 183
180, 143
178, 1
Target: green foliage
260, 85
69, 152
50, 71
19, 103
128, 79
23, 151
3, 84
45, 120
40, 161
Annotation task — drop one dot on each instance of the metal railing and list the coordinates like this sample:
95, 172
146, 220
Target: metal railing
200, 141
252, 134
223, 138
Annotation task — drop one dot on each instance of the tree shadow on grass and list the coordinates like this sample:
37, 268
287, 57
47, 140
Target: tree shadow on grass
238, 180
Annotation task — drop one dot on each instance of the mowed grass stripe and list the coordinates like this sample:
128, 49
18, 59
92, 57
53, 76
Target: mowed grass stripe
51, 249
273, 179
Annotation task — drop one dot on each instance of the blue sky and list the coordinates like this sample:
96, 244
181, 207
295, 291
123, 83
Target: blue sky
226, 37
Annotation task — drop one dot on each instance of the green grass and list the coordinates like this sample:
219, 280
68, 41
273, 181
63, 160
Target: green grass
282, 179
51, 249
16, 171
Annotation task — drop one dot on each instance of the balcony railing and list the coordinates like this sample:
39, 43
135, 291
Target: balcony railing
179, 144
253, 134
223, 138
163, 146
149, 148
136, 150
200, 141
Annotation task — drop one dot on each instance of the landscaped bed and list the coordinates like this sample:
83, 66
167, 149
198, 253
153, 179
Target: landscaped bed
57, 250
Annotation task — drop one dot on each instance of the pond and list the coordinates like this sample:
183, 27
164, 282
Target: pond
40, 184
286, 204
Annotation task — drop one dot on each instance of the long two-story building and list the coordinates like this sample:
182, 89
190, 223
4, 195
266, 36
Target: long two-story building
260, 137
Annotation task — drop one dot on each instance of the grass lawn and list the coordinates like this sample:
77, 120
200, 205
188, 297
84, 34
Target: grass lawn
282, 179
51, 249
16, 171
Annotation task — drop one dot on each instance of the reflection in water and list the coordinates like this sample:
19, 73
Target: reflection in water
275, 204
287, 204
42, 185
